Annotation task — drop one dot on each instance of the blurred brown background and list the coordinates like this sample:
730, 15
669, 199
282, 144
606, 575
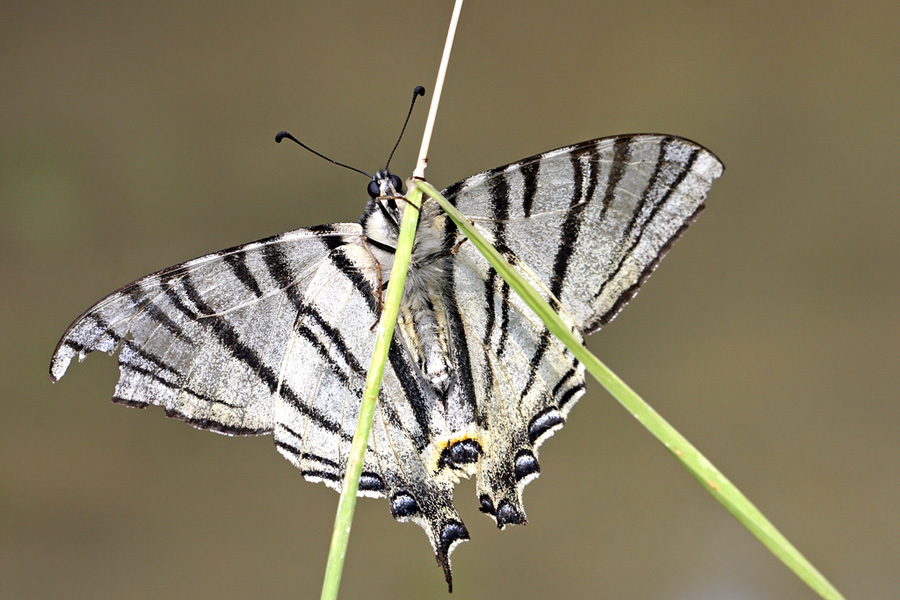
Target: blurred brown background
137, 135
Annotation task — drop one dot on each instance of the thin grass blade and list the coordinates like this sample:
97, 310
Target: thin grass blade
347, 503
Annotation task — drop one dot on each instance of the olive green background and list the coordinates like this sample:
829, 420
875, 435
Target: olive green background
137, 135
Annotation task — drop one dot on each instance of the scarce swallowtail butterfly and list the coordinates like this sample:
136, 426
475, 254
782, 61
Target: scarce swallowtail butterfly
275, 336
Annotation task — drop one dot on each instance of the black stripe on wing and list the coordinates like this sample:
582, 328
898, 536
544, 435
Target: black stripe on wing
572, 225
628, 294
238, 265
498, 192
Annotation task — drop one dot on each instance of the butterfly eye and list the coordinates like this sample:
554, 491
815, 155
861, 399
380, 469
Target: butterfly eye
374, 190
397, 183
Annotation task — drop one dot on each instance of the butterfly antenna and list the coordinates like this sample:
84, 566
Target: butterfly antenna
419, 91
284, 134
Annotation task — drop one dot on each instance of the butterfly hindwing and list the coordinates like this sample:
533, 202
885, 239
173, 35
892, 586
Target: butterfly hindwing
328, 355
512, 386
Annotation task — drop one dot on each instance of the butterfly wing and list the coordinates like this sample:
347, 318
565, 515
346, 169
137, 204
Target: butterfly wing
276, 337
585, 225
205, 339
592, 220
328, 356
519, 399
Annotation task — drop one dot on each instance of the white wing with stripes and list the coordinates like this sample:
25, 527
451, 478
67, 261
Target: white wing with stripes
592, 220
205, 339
585, 225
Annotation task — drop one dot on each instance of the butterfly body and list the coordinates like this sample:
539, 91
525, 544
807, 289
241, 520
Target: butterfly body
276, 336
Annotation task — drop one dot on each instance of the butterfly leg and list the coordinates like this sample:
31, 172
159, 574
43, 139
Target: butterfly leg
379, 278
404, 199
455, 249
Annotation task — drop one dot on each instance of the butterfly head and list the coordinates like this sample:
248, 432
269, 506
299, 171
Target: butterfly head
383, 214
385, 184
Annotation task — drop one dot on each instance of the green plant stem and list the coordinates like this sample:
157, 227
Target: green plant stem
347, 503
714, 481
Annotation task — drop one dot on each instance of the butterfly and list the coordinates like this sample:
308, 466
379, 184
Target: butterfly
275, 336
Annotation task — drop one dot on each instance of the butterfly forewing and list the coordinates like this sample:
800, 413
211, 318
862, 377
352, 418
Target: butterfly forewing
205, 339
592, 220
